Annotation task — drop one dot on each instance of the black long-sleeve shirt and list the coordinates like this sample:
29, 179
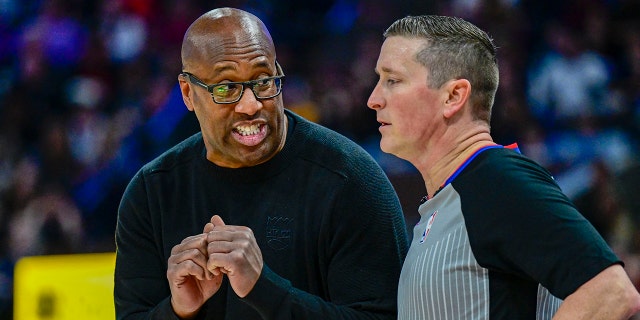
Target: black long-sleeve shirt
326, 218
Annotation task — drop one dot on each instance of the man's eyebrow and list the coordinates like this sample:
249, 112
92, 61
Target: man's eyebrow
230, 67
263, 64
219, 70
385, 70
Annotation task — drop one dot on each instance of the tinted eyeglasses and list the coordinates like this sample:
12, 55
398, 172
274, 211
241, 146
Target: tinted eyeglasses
231, 92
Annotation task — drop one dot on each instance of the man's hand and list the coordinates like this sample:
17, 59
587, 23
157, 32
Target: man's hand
232, 250
191, 283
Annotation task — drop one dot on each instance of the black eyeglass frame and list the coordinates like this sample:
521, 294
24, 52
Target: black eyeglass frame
251, 84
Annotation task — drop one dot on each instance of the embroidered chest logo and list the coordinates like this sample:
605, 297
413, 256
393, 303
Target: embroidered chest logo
279, 232
428, 228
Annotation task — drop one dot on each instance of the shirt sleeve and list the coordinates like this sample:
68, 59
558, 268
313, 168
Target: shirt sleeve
524, 225
140, 273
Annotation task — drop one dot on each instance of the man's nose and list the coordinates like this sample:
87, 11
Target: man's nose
248, 102
375, 101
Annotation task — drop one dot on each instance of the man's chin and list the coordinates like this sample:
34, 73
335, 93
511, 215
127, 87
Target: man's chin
386, 146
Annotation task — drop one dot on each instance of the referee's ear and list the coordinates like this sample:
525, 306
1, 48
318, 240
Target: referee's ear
458, 92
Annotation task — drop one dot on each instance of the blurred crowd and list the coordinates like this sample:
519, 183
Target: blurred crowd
88, 94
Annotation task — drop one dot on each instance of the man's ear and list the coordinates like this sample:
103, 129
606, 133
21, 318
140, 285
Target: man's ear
185, 89
458, 91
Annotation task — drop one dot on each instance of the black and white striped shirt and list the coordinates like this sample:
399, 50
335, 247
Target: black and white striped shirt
498, 241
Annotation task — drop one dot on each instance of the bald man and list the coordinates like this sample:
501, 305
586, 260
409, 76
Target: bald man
262, 214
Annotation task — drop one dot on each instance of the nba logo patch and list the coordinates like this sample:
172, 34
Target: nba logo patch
428, 228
